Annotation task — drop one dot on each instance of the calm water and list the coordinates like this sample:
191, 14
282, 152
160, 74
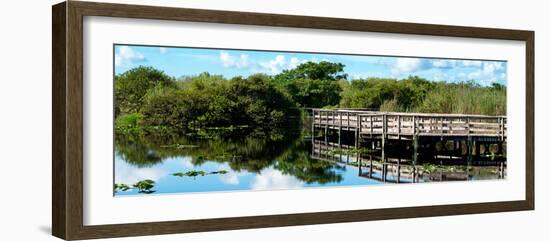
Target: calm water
231, 164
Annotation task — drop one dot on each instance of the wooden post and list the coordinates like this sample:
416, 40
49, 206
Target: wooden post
347, 157
340, 130
326, 128
399, 127
398, 169
469, 150
415, 141
370, 166
358, 166
384, 125
358, 121
313, 120
415, 149
356, 139
503, 128
384, 171
450, 125
477, 148
370, 117
468, 126
414, 174
441, 127
357, 130
347, 117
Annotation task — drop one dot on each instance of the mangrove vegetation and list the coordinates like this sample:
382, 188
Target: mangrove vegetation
149, 101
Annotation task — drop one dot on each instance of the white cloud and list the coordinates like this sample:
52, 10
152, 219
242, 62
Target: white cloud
271, 179
127, 56
490, 72
187, 162
275, 65
271, 66
229, 61
163, 50
294, 62
443, 63
471, 63
280, 63
367, 75
126, 173
230, 178
406, 65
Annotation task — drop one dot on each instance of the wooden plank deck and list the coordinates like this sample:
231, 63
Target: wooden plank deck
392, 125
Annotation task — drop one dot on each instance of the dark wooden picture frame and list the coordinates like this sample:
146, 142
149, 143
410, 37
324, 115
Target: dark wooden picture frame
67, 123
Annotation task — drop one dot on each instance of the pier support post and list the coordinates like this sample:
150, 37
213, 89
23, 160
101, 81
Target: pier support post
326, 133
398, 170
313, 120
340, 130
501, 170
500, 150
356, 139
383, 149
415, 150
384, 171
370, 166
469, 151
477, 145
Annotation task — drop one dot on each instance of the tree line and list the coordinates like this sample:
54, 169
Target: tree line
147, 99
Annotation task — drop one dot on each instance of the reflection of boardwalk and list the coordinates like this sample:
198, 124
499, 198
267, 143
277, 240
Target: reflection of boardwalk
469, 134
391, 170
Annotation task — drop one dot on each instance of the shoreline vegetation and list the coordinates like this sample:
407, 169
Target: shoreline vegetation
148, 101
251, 124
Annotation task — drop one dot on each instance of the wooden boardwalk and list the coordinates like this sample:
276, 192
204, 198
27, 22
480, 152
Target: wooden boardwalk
467, 132
391, 125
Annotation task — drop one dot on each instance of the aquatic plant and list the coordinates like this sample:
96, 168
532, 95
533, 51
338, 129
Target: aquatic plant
218, 172
121, 187
195, 173
145, 186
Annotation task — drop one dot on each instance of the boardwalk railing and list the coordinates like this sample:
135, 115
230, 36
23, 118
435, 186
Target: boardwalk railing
397, 125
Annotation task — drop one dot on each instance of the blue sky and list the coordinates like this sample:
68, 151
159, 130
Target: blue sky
179, 62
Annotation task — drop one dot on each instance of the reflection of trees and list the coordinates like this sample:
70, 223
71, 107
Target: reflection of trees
240, 153
249, 153
288, 153
136, 152
297, 162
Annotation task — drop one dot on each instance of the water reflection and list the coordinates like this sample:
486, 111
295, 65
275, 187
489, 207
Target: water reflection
285, 162
397, 169
249, 164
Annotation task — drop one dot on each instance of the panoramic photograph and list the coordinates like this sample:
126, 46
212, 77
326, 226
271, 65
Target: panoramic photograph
191, 120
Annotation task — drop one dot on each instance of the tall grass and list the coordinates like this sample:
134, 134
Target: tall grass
464, 99
415, 94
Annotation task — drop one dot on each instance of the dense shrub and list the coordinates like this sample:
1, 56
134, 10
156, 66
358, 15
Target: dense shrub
147, 99
132, 85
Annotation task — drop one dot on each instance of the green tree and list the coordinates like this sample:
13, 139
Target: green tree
258, 102
172, 109
313, 84
132, 85
315, 93
311, 70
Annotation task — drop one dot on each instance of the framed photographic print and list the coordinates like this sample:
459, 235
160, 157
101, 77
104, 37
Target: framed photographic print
171, 120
